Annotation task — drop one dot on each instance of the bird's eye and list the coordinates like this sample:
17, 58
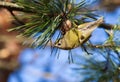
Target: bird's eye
82, 37
59, 44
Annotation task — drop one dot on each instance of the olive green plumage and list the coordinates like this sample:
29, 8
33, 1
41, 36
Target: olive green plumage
78, 35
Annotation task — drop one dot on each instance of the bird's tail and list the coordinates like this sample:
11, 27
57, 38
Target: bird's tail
90, 26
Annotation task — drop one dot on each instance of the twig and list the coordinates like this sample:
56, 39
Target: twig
20, 22
103, 46
13, 7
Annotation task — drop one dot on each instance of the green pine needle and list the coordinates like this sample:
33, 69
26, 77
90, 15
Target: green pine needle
47, 16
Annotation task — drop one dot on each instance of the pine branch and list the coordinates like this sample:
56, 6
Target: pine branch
15, 7
46, 18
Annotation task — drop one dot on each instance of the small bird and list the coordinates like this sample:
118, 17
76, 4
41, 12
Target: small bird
77, 36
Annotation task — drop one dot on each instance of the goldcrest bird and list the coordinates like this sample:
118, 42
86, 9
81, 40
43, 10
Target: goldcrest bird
77, 36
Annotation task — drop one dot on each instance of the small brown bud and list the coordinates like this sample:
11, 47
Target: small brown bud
66, 26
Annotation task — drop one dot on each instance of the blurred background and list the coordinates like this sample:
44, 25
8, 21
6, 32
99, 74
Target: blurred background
20, 63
